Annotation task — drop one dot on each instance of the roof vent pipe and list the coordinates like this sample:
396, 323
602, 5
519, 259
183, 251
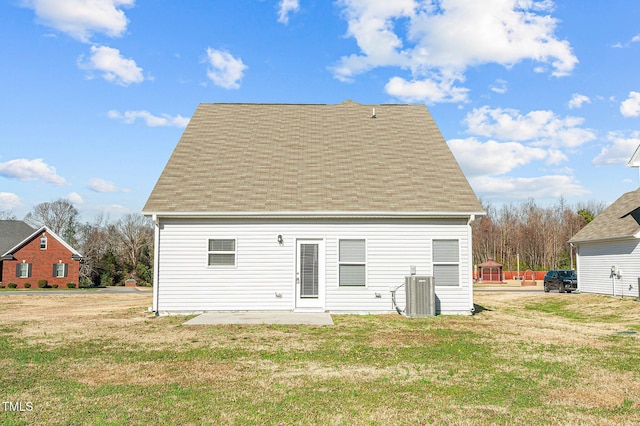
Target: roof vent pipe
373, 114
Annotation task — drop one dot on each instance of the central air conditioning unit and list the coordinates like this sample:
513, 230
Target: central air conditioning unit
421, 296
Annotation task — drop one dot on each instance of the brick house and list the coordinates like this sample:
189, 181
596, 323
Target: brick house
37, 255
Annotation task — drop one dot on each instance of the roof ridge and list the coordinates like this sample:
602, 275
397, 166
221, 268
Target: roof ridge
345, 102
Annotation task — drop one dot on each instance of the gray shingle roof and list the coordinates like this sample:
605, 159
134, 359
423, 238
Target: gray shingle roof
620, 220
262, 158
12, 232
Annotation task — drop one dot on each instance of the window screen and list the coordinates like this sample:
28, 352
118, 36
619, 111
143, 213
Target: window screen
446, 262
222, 252
352, 262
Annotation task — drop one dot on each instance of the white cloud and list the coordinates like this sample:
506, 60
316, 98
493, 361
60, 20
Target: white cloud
226, 71
445, 37
31, 170
74, 198
371, 24
9, 200
619, 151
114, 68
285, 7
515, 143
552, 186
492, 158
577, 100
499, 86
620, 45
428, 90
82, 18
166, 120
542, 128
555, 156
111, 212
631, 106
101, 185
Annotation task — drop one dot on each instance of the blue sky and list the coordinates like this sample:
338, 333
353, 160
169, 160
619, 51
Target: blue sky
536, 99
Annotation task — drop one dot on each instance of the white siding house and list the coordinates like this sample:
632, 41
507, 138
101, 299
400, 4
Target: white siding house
608, 249
310, 208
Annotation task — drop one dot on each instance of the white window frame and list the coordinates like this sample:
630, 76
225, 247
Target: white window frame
60, 270
234, 252
24, 270
341, 263
442, 263
43, 239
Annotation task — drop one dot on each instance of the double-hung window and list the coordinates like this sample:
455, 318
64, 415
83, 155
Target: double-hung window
43, 242
60, 270
23, 270
222, 252
352, 259
446, 263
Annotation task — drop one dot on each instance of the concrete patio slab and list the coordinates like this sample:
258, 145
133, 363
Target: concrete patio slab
290, 318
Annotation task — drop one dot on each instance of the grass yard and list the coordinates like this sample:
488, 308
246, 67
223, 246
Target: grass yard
523, 358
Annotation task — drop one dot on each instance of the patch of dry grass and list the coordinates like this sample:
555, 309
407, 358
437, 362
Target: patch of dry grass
534, 358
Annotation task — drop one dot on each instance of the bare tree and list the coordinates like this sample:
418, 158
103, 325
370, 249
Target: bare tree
7, 215
60, 216
94, 241
537, 235
135, 233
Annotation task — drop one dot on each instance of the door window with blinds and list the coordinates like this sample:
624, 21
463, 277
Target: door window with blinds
446, 262
222, 252
309, 270
352, 262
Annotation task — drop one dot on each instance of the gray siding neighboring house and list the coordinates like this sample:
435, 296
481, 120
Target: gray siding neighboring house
310, 207
612, 239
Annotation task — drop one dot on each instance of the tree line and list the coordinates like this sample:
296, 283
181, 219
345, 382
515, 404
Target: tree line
113, 251
537, 236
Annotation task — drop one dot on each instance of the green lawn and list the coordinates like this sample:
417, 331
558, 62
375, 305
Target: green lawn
523, 358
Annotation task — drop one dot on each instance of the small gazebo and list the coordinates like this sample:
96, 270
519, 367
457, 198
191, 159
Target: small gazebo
490, 271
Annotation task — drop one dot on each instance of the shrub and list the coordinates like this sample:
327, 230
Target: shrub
27, 285
13, 285
54, 285
71, 285
43, 283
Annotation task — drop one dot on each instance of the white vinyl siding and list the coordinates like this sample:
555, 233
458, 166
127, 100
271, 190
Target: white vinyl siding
222, 252
446, 262
265, 274
594, 262
352, 258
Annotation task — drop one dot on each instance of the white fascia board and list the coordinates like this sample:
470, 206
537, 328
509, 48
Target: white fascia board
39, 231
319, 214
634, 161
602, 240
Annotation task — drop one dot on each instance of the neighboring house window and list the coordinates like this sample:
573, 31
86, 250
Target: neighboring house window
446, 262
43, 242
23, 270
60, 270
222, 252
352, 262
